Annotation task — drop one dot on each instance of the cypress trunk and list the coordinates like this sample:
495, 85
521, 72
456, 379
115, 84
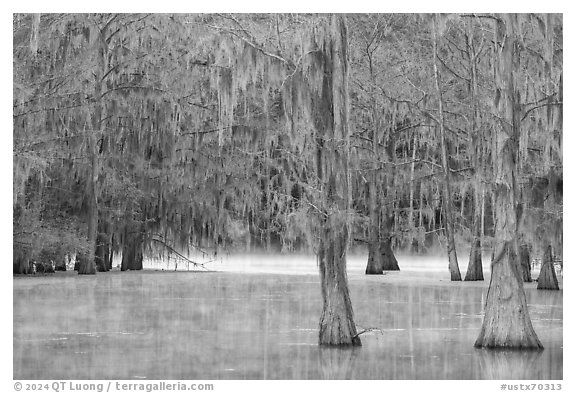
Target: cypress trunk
380, 256
330, 110
506, 321
474, 272
547, 278
374, 265
101, 253
109, 258
337, 325
389, 261
87, 264
132, 255
446, 187
524, 253
375, 262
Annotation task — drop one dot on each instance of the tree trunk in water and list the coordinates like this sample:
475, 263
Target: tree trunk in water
374, 265
132, 255
474, 272
87, 264
380, 256
109, 258
330, 108
411, 224
21, 265
389, 261
506, 321
337, 325
446, 189
547, 278
102, 248
524, 253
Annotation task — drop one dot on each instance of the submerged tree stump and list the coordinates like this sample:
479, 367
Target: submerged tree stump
547, 278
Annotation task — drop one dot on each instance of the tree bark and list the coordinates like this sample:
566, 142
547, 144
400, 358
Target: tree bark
389, 261
337, 325
102, 248
411, 223
110, 257
524, 253
506, 321
88, 266
547, 278
474, 272
375, 263
446, 187
132, 255
380, 255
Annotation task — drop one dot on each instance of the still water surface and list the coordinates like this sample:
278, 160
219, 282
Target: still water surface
227, 325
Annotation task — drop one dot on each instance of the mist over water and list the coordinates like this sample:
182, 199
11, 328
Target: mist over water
263, 325
305, 263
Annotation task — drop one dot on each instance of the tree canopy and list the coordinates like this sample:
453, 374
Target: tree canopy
141, 134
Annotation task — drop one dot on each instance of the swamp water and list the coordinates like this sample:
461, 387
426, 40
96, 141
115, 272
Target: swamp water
230, 325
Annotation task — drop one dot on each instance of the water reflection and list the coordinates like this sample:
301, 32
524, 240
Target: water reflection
508, 364
338, 363
167, 325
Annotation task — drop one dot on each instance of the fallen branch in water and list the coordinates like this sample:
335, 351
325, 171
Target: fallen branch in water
171, 249
368, 330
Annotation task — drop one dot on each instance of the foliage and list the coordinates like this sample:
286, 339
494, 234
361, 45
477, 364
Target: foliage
203, 129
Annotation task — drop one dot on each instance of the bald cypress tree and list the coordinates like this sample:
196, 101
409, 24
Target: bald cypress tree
506, 321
